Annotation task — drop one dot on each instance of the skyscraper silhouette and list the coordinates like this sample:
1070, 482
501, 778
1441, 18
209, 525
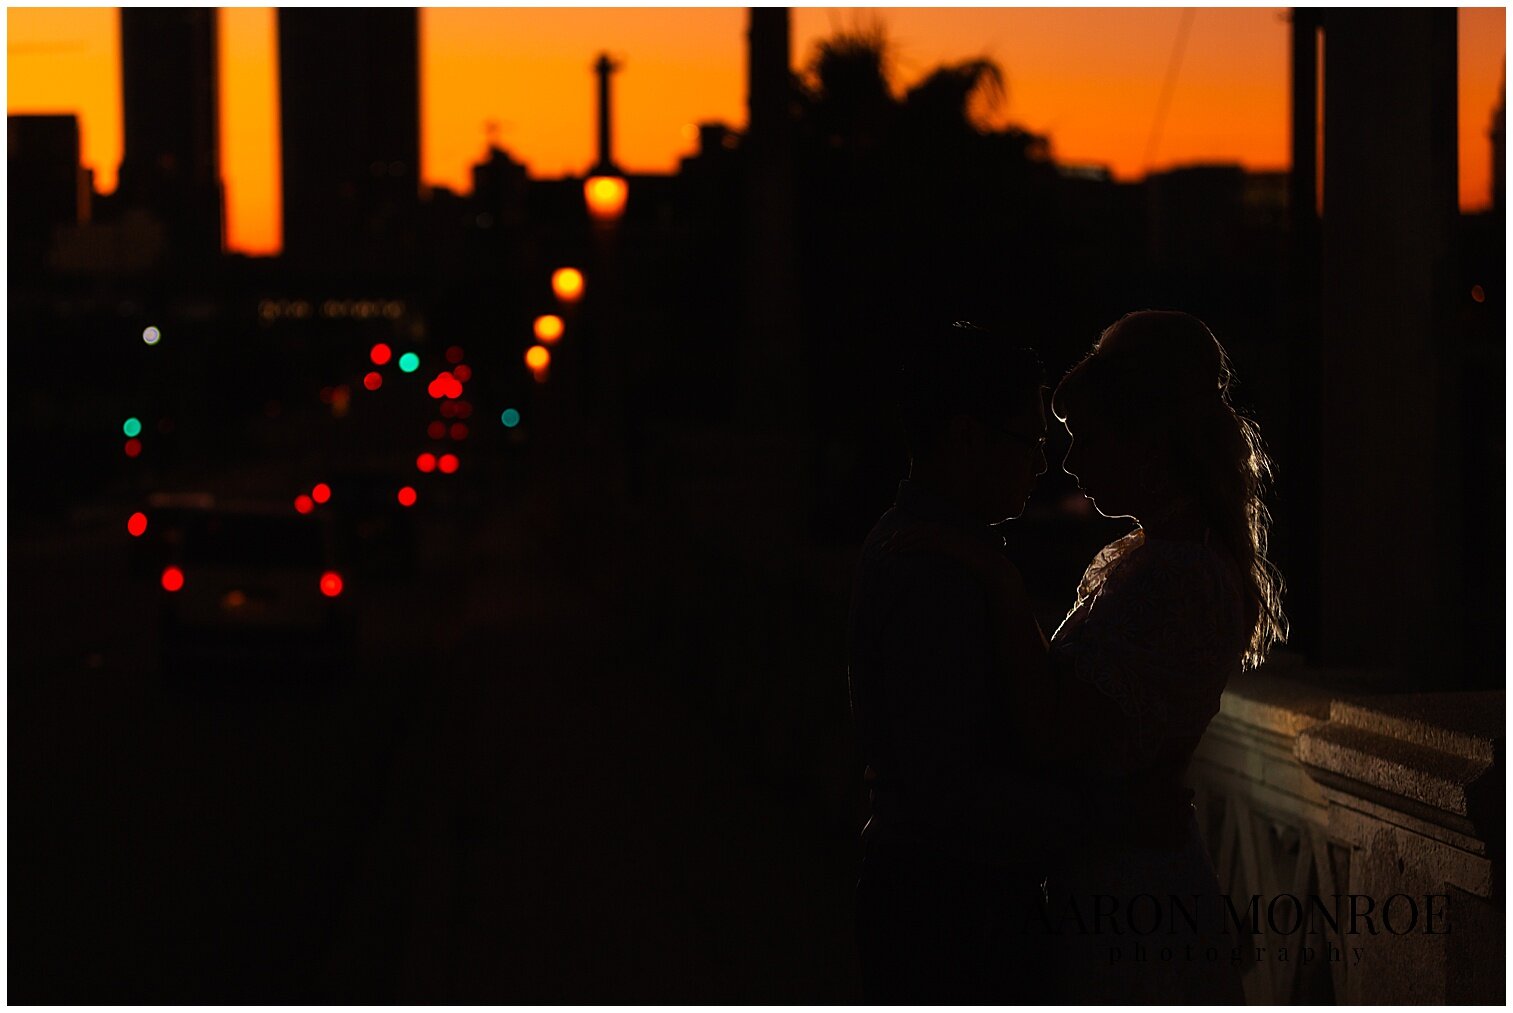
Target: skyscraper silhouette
46, 187
170, 97
349, 81
769, 77
771, 359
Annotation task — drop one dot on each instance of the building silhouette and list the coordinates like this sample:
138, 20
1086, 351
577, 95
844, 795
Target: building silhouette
47, 188
1195, 214
769, 75
770, 352
170, 99
349, 83
499, 185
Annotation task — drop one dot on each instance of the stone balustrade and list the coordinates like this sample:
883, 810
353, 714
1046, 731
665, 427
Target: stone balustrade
1387, 808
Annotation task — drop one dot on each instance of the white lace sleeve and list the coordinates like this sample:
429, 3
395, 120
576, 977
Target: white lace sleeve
1159, 633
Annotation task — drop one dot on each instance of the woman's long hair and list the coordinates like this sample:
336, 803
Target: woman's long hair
1164, 373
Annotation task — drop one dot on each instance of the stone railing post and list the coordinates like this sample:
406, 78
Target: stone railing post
1392, 803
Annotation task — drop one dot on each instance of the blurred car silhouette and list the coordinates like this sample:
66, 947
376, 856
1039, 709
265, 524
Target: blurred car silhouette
374, 530
245, 585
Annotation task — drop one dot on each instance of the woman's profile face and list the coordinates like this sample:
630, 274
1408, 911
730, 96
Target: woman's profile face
1104, 459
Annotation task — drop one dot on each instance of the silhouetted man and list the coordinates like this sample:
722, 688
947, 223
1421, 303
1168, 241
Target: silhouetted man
954, 853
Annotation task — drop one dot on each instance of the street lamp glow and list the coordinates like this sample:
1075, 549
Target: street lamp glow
567, 284
538, 359
606, 197
152, 335
409, 362
548, 328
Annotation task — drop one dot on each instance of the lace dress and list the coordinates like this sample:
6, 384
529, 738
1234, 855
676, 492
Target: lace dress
1158, 629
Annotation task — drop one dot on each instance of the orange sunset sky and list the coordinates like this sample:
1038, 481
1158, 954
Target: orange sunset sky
1091, 79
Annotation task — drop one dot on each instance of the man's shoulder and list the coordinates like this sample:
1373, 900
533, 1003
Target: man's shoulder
911, 573
892, 519
877, 551
897, 520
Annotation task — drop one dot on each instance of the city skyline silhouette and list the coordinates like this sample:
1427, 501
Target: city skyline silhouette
1097, 105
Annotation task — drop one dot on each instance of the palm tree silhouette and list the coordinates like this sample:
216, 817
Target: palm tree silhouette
848, 102
944, 100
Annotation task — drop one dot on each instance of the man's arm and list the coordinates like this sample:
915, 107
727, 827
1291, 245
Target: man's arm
932, 654
1021, 657
1022, 679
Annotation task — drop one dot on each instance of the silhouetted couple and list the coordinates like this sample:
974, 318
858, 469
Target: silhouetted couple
1016, 782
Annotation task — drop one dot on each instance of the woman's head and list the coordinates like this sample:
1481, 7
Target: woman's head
1154, 436
1153, 381
1153, 364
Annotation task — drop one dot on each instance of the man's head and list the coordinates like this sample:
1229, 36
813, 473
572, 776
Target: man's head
974, 419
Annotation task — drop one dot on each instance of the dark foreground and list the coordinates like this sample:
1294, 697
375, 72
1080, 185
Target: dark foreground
555, 768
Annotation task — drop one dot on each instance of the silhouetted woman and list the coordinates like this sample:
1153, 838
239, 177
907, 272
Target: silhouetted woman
1164, 617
